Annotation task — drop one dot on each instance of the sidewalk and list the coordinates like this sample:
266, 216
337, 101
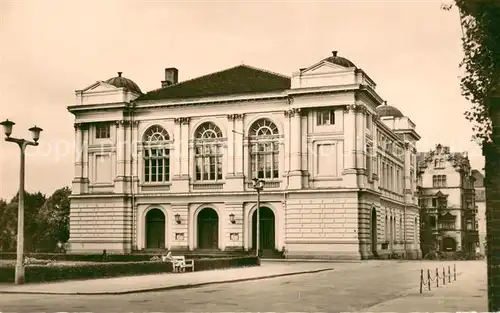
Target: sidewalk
467, 294
158, 282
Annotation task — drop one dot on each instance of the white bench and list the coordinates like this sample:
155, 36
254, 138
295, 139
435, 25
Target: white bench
180, 264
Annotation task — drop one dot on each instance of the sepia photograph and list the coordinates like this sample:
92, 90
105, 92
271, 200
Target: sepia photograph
249, 156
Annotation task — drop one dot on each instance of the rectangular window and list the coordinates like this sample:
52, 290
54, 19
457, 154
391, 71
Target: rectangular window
325, 117
102, 131
439, 181
434, 203
369, 152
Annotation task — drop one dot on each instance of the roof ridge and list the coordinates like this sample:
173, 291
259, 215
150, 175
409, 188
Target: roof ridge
264, 70
220, 71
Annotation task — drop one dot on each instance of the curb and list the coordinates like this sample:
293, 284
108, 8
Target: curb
176, 287
309, 261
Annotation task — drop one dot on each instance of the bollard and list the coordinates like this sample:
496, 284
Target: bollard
454, 272
444, 276
449, 274
429, 279
437, 277
421, 279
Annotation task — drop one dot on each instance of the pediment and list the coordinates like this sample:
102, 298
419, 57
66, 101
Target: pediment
99, 86
323, 67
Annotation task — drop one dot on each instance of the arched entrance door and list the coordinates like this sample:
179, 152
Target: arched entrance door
449, 244
374, 231
208, 229
155, 229
267, 231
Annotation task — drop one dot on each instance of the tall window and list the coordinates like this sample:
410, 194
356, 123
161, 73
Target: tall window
156, 145
102, 131
264, 149
326, 117
369, 160
438, 181
208, 152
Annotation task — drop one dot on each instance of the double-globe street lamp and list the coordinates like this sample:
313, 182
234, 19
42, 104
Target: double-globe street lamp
258, 185
22, 143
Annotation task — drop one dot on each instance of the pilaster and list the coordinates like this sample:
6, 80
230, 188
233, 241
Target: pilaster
350, 173
375, 165
407, 194
78, 176
295, 169
134, 155
85, 157
234, 176
181, 183
120, 157
360, 147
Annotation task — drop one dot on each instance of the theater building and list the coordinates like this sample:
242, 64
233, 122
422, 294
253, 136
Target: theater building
172, 168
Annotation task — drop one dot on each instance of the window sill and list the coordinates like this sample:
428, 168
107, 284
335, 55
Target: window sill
268, 183
156, 184
208, 185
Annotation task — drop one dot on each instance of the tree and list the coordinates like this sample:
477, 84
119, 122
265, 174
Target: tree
480, 20
55, 214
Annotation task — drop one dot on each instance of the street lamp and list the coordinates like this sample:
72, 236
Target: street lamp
22, 143
258, 185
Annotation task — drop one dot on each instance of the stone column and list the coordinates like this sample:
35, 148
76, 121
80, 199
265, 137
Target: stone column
77, 180
234, 158
181, 183
295, 169
360, 149
134, 155
407, 193
376, 163
85, 157
120, 157
176, 173
349, 173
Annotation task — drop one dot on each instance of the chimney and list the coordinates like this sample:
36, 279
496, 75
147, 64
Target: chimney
334, 53
171, 77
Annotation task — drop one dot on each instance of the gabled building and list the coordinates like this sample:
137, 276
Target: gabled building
447, 200
172, 168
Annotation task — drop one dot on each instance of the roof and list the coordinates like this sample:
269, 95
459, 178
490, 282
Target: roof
388, 110
120, 81
335, 59
236, 80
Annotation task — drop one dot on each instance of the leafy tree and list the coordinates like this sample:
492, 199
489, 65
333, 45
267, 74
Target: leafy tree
55, 215
480, 20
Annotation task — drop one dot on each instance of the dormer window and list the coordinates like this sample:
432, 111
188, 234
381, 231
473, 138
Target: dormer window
102, 131
326, 117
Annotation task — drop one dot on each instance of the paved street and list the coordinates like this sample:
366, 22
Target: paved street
349, 287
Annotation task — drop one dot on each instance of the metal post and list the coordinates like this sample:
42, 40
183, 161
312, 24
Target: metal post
429, 279
454, 272
449, 274
19, 279
421, 279
257, 236
437, 277
444, 277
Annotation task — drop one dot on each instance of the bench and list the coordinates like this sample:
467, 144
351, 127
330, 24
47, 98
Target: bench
180, 264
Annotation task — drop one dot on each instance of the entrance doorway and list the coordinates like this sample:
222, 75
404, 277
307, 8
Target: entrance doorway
267, 229
155, 229
208, 229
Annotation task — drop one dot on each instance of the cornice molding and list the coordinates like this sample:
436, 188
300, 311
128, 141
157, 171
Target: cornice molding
234, 117
181, 120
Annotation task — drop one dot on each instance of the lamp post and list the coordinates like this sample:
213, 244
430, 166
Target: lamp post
258, 185
22, 143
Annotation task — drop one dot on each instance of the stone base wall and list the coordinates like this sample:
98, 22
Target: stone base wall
100, 223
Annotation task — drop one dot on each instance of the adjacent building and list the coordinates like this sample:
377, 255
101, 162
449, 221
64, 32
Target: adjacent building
447, 200
480, 209
172, 168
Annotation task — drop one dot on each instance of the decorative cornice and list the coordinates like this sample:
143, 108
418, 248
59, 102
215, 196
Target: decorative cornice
233, 117
292, 112
122, 123
181, 120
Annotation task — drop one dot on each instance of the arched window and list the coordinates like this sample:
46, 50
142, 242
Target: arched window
264, 149
208, 152
156, 145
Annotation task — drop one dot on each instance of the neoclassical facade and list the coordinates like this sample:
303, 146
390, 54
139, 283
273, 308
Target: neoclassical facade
173, 167
447, 199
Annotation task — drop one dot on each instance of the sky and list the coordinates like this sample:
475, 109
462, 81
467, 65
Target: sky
50, 48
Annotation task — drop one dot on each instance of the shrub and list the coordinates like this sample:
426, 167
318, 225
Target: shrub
57, 271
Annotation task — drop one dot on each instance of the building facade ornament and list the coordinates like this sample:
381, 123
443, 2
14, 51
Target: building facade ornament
234, 117
181, 120
292, 112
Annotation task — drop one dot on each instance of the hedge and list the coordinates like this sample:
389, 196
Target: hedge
54, 272
110, 257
